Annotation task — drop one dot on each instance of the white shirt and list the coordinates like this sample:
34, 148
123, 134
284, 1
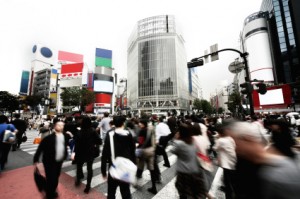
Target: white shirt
104, 124
225, 146
59, 147
201, 143
161, 129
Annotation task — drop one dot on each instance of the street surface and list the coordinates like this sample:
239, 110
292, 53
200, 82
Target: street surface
17, 179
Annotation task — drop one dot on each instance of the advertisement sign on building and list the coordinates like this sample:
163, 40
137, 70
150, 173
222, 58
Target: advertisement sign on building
24, 82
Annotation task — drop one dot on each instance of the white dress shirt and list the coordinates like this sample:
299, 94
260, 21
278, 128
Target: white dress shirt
59, 147
161, 129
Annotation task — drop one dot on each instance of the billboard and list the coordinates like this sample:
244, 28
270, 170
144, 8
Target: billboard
24, 82
103, 57
272, 97
69, 57
71, 70
103, 83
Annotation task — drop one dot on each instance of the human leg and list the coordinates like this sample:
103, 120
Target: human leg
89, 176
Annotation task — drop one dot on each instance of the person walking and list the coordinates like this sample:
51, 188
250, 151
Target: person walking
104, 126
4, 147
146, 145
54, 150
86, 146
190, 182
124, 146
21, 126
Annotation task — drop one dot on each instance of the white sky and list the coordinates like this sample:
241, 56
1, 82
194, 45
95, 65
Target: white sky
80, 26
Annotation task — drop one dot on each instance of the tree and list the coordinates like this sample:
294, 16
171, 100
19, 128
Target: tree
33, 101
197, 104
8, 102
77, 97
234, 101
203, 105
220, 110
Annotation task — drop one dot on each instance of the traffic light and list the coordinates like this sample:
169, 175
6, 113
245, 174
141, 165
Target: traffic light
247, 88
262, 88
195, 63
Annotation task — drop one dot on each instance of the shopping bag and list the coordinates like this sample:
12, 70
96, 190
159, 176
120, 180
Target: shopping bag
24, 138
39, 180
37, 140
9, 137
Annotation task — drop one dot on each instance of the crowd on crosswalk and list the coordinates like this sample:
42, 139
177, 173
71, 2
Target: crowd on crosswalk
198, 156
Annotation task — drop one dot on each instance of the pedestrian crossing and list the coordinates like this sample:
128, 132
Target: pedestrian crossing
165, 188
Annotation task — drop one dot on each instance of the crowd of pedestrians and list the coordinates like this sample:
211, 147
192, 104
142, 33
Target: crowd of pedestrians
259, 156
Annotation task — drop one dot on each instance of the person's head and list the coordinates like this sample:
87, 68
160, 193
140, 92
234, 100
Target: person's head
106, 114
3, 119
55, 120
223, 128
69, 119
248, 141
161, 118
17, 116
59, 127
196, 130
185, 132
282, 137
86, 123
119, 121
93, 118
143, 123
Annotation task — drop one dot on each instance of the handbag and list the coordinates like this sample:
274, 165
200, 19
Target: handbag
39, 180
146, 152
37, 140
9, 137
24, 138
122, 168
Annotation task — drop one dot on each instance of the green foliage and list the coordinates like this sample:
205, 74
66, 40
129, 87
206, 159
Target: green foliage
33, 100
77, 97
220, 110
203, 105
234, 101
8, 101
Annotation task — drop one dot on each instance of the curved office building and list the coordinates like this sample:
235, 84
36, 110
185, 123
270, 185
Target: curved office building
157, 74
256, 43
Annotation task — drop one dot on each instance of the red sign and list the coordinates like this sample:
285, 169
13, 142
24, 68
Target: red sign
71, 57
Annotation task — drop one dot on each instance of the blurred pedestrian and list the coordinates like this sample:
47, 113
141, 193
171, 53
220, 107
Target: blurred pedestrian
225, 147
146, 147
21, 126
54, 150
190, 182
4, 147
124, 147
86, 146
104, 126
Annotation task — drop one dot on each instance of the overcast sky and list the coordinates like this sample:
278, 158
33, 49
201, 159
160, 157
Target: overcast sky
80, 26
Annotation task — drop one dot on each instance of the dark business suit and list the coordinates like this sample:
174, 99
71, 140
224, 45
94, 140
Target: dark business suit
52, 167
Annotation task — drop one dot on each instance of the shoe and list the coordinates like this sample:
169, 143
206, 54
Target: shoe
87, 190
167, 165
152, 190
77, 183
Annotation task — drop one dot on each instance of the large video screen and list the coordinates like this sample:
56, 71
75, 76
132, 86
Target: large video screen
103, 86
272, 97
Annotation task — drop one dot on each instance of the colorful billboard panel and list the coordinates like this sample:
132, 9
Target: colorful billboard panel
24, 82
69, 57
105, 62
103, 86
71, 70
103, 53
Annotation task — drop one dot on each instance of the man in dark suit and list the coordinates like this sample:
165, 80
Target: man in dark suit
21, 126
54, 149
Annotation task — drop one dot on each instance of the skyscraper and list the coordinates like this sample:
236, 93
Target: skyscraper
157, 74
283, 25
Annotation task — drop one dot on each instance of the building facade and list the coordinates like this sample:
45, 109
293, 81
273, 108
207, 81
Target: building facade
255, 39
283, 24
157, 74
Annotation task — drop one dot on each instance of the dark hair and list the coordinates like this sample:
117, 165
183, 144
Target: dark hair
86, 123
196, 130
282, 139
119, 121
161, 118
3, 119
185, 133
106, 114
69, 119
144, 122
17, 115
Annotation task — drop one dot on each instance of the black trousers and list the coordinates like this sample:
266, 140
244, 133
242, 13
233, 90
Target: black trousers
52, 171
112, 187
18, 142
79, 172
160, 150
4, 151
229, 183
